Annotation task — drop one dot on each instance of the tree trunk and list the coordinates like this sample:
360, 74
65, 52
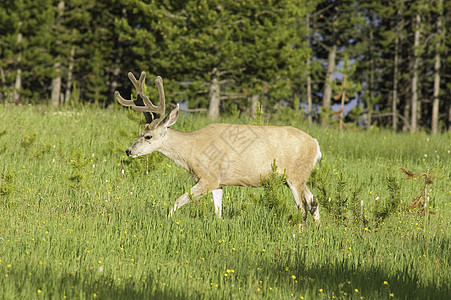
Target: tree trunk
397, 62
327, 93
449, 117
371, 81
18, 83
214, 99
416, 62
342, 110
56, 85
309, 76
406, 114
309, 93
436, 100
254, 99
2, 76
116, 72
69, 75
56, 82
395, 86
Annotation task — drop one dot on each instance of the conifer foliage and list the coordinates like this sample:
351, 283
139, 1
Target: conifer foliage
223, 55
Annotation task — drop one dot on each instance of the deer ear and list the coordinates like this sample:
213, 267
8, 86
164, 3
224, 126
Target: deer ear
170, 119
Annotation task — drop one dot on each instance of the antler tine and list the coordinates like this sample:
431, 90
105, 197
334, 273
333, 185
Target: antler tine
142, 103
149, 105
161, 107
162, 103
123, 101
138, 84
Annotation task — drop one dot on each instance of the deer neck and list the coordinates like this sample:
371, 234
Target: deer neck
177, 148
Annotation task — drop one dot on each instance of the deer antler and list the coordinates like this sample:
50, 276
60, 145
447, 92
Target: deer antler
142, 103
161, 108
138, 84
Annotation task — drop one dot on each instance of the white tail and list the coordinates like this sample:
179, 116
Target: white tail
221, 155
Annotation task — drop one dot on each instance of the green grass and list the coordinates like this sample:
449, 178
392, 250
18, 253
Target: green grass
72, 226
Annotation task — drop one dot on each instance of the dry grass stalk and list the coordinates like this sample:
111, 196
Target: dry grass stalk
417, 201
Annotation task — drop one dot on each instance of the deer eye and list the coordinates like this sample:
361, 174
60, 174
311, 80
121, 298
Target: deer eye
147, 137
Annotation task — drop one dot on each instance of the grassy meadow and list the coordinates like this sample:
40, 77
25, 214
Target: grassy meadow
80, 220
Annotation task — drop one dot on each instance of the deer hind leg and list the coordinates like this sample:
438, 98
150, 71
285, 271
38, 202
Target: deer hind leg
312, 204
196, 191
298, 196
217, 200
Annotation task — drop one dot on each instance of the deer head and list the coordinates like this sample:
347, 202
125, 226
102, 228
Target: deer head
155, 131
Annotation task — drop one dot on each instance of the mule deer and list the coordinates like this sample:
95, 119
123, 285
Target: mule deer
221, 155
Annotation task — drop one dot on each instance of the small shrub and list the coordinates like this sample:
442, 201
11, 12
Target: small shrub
320, 179
273, 198
340, 207
3, 146
28, 139
143, 165
357, 212
341, 202
7, 184
136, 117
79, 174
41, 151
391, 205
258, 118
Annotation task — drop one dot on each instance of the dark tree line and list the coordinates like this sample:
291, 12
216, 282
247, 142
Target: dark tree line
218, 55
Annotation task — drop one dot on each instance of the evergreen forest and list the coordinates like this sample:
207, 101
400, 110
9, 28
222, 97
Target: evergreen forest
347, 62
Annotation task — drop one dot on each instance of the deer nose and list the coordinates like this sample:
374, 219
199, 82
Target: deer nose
127, 152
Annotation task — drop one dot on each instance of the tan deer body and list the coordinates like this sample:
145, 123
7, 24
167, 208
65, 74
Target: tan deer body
221, 155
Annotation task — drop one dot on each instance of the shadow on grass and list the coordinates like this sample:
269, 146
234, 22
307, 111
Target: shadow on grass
343, 280
347, 279
72, 286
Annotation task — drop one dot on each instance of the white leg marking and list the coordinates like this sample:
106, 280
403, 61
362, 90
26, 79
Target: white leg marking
196, 191
217, 200
308, 197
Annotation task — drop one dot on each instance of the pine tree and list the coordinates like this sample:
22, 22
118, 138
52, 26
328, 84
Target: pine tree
212, 51
336, 24
24, 59
437, 63
371, 67
66, 47
346, 88
275, 52
101, 51
10, 50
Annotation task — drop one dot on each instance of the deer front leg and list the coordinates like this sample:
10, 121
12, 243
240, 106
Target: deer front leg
217, 200
182, 200
196, 191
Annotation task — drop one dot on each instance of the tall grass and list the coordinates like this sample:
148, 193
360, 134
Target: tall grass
78, 219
